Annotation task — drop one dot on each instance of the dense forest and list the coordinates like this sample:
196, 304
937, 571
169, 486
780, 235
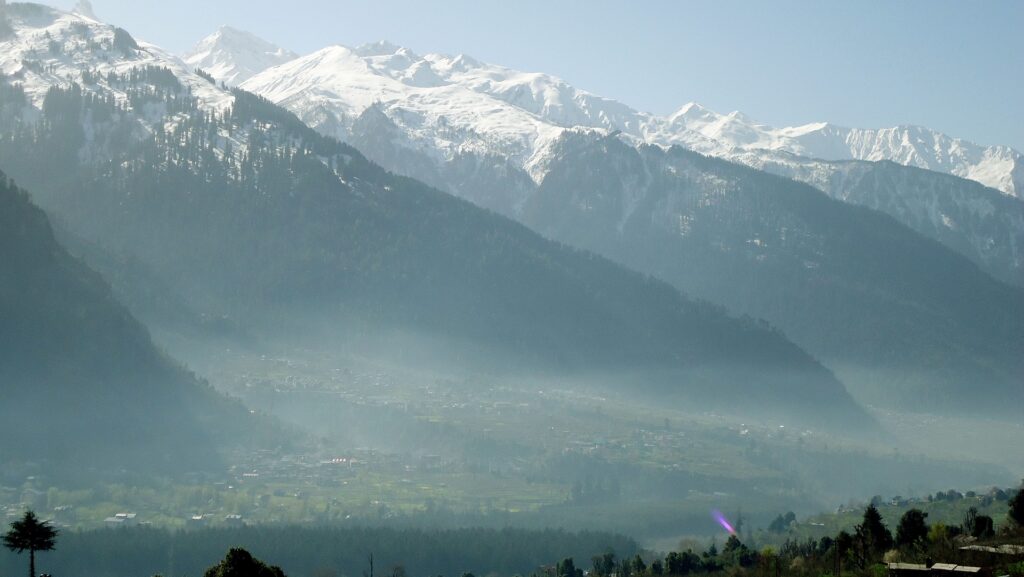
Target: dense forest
978, 222
85, 389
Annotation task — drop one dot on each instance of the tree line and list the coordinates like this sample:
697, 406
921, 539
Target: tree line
329, 552
323, 551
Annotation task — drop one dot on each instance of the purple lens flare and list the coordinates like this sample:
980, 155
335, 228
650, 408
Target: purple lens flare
718, 516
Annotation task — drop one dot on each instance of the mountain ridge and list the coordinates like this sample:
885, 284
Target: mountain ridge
557, 102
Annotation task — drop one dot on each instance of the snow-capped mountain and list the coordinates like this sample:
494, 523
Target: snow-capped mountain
709, 132
49, 48
404, 114
554, 102
447, 106
489, 133
998, 167
334, 87
233, 56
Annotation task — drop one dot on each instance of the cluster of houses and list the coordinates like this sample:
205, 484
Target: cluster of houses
937, 569
974, 553
200, 521
124, 520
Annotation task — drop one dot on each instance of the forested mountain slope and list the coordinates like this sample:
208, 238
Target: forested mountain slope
908, 319
980, 223
83, 385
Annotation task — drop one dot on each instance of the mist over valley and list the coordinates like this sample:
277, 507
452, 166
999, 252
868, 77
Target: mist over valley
364, 310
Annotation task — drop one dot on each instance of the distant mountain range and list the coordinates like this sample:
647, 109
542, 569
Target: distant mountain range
488, 133
236, 204
489, 104
998, 167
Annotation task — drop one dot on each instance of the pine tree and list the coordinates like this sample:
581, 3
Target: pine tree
30, 534
912, 528
240, 563
873, 537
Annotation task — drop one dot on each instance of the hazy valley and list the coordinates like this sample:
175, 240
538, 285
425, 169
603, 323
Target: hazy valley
434, 307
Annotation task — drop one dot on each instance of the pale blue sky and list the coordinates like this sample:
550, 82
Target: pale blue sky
953, 66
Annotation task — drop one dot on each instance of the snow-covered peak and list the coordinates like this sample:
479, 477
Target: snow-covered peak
233, 56
458, 63
328, 73
691, 111
50, 47
401, 64
333, 88
546, 96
